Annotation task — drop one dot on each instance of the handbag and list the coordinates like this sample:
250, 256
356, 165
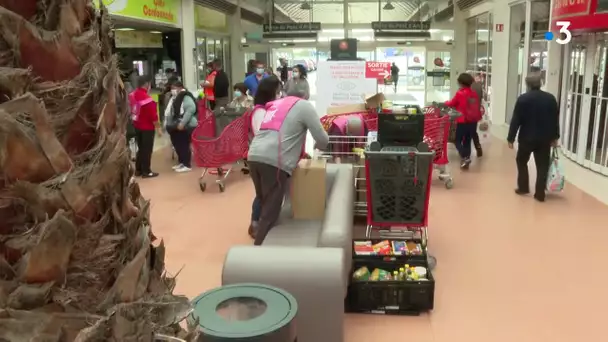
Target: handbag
555, 178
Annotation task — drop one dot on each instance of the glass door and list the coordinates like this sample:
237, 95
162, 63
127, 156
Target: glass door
437, 76
201, 60
575, 98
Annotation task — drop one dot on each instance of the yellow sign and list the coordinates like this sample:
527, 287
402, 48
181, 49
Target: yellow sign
210, 20
165, 11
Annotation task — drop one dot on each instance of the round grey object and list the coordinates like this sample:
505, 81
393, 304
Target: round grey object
245, 312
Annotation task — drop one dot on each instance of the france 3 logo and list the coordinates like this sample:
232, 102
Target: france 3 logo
564, 36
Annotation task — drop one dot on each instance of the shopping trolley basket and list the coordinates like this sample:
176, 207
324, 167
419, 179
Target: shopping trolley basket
398, 187
436, 135
370, 117
350, 149
226, 150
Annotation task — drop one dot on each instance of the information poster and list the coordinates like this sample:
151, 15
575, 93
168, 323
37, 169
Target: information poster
342, 83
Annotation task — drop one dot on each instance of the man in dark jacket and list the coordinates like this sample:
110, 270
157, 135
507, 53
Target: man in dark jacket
536, 118
221, 86
284, 70
477, 87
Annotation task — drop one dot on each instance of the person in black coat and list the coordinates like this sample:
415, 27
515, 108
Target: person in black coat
536, 119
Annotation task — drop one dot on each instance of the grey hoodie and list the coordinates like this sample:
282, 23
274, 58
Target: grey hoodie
283, 149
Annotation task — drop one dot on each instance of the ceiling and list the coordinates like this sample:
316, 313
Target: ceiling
358, 11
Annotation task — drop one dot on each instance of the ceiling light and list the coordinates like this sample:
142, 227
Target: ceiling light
156, 32
124, 29
305, 6
388, 6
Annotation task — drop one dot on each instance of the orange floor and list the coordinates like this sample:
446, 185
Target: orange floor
510, 269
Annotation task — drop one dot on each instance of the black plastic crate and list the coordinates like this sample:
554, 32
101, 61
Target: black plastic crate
390, 297
399, 182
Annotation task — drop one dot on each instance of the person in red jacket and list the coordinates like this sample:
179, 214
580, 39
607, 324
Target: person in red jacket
466, 102
145, 120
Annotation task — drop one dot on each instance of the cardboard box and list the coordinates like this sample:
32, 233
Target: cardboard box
309, 190
372, 101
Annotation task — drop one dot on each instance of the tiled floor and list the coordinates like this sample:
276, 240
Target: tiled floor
509, 268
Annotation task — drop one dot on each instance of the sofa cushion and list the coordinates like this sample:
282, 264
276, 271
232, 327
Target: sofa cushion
297, 233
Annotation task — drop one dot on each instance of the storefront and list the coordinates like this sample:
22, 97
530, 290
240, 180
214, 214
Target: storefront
147, 38
479, 51
584, 84
212, 39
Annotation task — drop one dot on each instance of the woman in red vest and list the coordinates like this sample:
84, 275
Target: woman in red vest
209, 84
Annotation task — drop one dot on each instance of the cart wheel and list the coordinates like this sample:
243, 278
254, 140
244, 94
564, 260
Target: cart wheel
442, 178
202, 185
449, 183
222, 187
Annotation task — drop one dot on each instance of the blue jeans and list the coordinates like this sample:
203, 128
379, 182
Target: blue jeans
464, 136
256, 209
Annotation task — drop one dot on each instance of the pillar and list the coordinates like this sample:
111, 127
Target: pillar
527, 40
554, 64
458, 63
505, 60
237, 56
188, 45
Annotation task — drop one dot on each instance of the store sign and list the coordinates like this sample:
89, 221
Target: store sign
570, 8
292, 27
137, 39
401, 25
377, 70
164, 11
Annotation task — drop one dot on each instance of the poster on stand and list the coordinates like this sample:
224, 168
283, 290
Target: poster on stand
342, 83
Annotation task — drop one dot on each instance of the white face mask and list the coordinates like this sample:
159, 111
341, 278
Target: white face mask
174, 92
295, 74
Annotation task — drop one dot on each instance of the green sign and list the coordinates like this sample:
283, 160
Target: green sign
163, 11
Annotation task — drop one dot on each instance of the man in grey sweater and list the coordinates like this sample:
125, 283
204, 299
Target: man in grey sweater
273, 156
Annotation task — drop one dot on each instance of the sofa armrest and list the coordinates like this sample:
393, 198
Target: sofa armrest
314, 276
338, 224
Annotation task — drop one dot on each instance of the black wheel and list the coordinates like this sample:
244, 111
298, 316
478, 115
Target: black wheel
203, 186
222, 187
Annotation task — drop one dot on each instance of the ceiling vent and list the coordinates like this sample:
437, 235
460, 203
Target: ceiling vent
464, 5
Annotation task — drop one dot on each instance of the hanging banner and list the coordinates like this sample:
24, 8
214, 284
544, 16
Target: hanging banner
342, 83
208, 19
162, 11
138, 39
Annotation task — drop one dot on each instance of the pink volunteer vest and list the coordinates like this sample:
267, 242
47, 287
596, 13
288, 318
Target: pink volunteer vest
276, 112
136, 105
341, 122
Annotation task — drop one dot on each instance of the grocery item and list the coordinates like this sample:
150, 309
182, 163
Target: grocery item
363, 248
421, 271
361, 274
380, 275
383, 248
399, 247
413, 248
402, 273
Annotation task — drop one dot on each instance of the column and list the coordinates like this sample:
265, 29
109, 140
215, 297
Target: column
237, 56
553, 80
527, 40
188, 45
505, 60
459, 49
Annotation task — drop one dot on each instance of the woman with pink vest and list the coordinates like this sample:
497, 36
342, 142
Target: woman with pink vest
277, 148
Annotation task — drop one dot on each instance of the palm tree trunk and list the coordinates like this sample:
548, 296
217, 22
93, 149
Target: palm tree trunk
77, 256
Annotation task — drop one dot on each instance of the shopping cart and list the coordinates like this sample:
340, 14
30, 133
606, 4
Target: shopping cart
223, 152
398, 189
436, 135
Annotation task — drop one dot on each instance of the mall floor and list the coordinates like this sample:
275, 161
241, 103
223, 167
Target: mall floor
509, 268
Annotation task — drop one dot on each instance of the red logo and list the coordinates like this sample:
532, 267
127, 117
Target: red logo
343, 45
438, 62
416, 59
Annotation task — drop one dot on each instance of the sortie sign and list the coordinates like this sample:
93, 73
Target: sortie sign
377, 70
570, 8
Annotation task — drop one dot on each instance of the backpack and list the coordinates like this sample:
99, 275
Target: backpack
135, 106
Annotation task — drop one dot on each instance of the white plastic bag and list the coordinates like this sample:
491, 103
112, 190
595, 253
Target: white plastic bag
483, 131
555, 179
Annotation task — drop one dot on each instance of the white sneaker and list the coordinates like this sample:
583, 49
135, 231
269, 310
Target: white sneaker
183, 169
178, 166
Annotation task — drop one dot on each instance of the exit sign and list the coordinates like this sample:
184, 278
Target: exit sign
500, 27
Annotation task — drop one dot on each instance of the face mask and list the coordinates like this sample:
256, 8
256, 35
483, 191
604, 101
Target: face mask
295, 74
174, 92
260, 71
237, 93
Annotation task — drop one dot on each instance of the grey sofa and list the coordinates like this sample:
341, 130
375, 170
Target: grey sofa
309, 259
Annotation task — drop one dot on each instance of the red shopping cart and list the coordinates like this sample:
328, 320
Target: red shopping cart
436, 135
221, 153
